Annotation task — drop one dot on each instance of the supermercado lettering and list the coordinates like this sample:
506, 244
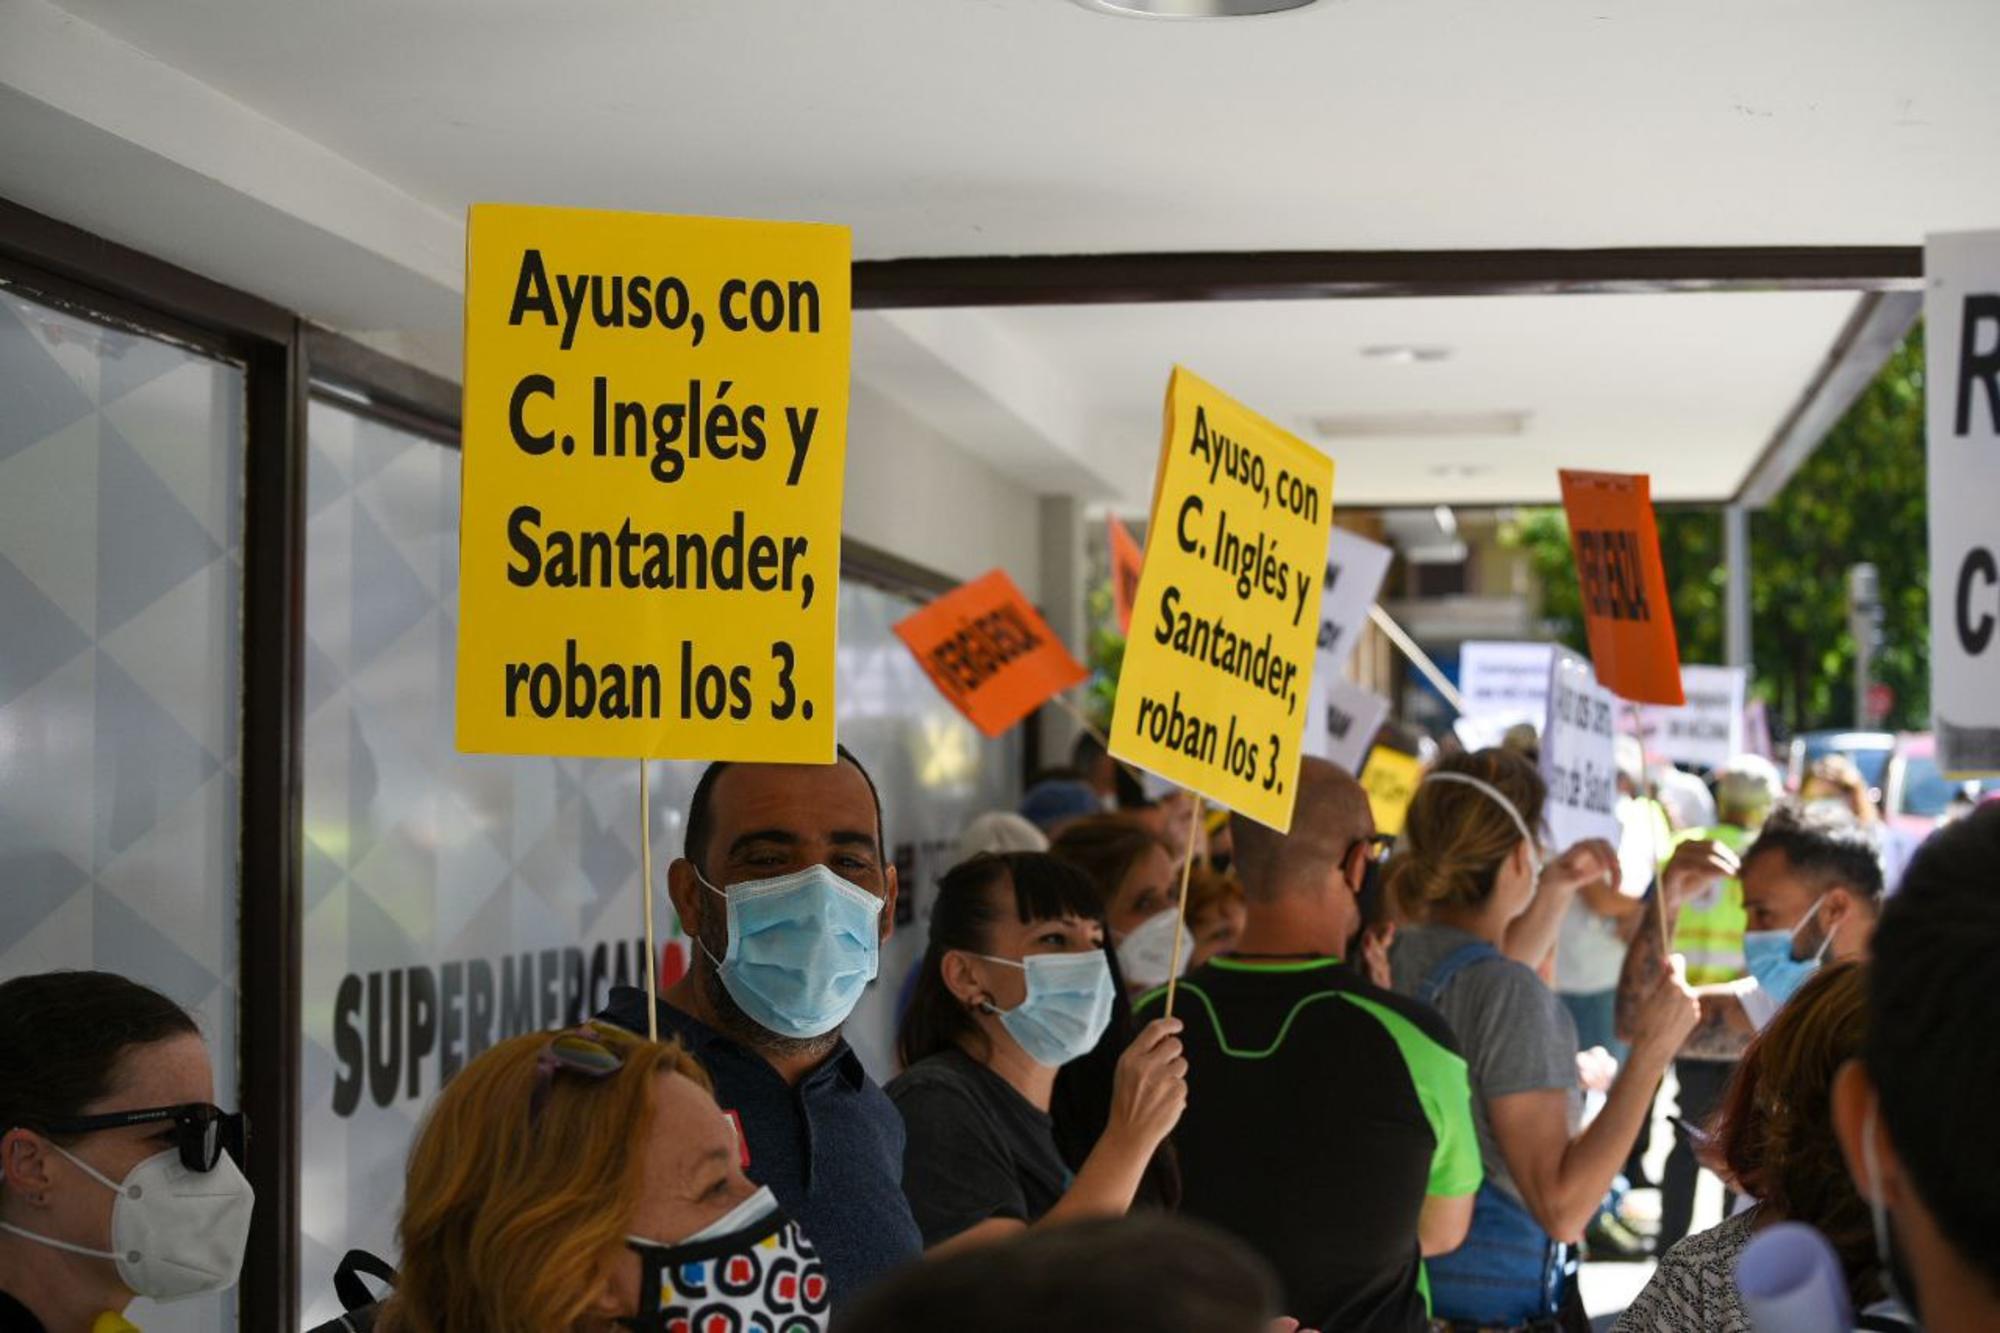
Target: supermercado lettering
1962, 363
1212, 692
401, 1033
655, 438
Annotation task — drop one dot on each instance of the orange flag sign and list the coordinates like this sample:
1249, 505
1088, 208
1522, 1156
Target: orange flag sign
1625, 608
990, 652
1126, 561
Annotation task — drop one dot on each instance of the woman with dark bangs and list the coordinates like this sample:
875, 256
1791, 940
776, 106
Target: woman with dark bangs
1774, 1140
1015, 984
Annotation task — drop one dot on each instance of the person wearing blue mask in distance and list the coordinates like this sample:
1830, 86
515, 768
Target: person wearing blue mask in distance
1812, 889
1016, 984
786, 892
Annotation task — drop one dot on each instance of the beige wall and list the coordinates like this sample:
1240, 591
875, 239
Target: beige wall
912, 491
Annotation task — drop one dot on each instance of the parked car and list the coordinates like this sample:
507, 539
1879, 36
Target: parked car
1869, 750
1916, 794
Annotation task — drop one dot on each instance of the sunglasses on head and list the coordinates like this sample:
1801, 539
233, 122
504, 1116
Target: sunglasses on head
202, 1132
578, 1051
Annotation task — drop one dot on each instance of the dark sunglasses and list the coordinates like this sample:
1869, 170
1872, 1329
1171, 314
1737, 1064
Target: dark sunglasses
579, 1052
202, 1133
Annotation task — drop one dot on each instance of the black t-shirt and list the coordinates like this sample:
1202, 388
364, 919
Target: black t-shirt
974, 1148
1321, 1112
15, 1318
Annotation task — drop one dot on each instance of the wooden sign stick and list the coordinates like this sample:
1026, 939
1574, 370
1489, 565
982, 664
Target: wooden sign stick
646, 895
1180, 915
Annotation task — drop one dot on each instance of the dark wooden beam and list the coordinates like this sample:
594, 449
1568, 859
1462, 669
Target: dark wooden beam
1294, 275
358, 376
272, 896
115, 274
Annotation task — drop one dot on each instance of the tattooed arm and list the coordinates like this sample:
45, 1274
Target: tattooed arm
1693, 867
1643, 959
1723, 1030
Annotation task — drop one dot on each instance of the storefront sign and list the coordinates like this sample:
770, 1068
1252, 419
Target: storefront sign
1962, 364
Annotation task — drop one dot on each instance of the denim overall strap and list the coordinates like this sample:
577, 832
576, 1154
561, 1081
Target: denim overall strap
1508, 1272
1448, 968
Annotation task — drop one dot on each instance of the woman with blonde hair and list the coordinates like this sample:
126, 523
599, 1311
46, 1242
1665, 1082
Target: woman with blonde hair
1469, 866
587, 1181
1137, 884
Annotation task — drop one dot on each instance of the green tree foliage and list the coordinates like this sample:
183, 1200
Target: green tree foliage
1105, 655
1860, 497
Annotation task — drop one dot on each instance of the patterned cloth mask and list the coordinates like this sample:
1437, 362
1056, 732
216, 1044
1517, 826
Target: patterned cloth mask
752, 1271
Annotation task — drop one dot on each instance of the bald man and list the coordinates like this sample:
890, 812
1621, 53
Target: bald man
1329, 1121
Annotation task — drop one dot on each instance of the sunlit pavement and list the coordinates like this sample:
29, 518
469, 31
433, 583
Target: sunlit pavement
1608, 1287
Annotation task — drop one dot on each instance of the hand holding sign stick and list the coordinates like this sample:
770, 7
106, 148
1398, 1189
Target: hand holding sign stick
1653, 843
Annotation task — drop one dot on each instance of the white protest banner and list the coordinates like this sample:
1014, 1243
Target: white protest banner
1341, 720
1498, 677
1708, 731
1757, 729
1355, 568
1962, 372
1503, 683
1577, 754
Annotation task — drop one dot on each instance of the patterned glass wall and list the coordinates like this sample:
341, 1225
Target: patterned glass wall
452, 900
121, 507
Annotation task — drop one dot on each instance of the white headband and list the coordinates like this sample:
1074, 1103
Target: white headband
1499, 798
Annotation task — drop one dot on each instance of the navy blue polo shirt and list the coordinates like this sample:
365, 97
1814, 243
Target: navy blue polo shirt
830, 1148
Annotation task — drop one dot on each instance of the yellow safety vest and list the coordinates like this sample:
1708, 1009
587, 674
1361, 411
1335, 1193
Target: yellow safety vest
1710, 933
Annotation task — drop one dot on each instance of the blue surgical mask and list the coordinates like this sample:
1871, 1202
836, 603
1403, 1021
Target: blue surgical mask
802, 948
1067, 1008
1769, 956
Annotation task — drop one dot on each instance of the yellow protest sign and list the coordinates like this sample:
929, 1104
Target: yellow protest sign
1212, 694
655, 437
1390, 778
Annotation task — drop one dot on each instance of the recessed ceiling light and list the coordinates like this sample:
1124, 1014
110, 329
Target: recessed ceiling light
1193, 9
1416, 425
1405, 353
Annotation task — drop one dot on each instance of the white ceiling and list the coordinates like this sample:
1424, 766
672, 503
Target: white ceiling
1002, 126
1690, 387
323, 154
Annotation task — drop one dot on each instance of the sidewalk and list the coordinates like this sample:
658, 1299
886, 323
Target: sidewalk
1609, 1286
